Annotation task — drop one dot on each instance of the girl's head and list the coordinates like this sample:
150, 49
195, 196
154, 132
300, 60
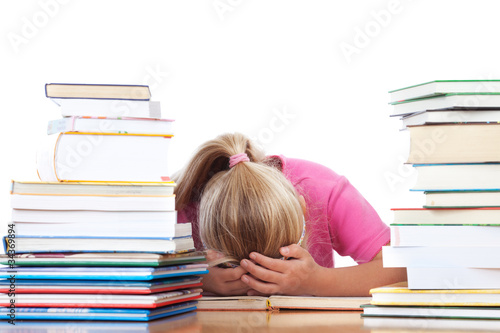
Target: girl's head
248, 207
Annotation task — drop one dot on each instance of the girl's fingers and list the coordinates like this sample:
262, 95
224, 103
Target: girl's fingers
261, 273
259, 287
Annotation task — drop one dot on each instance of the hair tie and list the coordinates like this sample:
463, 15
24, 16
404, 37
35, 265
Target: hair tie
235, 159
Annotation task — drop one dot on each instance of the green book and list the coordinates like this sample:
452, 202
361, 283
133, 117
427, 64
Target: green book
441, 87
102, 259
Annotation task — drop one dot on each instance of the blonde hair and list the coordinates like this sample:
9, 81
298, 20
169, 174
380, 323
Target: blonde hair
249, 207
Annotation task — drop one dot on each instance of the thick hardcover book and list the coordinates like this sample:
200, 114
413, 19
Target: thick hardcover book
33, 244
102, 300
78, 156
102, 259
454, 143
98, 91
275, 302
100, 313
27, 286
103, 273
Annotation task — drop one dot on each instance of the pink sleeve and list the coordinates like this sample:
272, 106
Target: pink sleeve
339, 217
355, 227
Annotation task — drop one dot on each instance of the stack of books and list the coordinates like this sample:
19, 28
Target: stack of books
97, 238
450, 246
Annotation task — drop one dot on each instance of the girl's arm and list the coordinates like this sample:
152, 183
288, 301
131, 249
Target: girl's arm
300, 275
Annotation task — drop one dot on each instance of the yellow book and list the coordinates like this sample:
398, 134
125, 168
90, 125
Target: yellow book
399, 294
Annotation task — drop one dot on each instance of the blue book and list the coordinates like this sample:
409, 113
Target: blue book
98, 314
170, 323
103, 273
59, 286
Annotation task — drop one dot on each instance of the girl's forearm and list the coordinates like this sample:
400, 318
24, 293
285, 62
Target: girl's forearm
355, 280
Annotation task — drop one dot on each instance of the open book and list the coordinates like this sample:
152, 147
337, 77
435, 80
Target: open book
276, 302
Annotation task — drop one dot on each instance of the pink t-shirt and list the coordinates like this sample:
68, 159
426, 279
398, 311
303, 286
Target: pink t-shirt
338, 217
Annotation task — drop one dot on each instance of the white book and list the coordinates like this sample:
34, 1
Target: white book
93, 188
113, 108
34, 244
462, 312
448, 101
77, 156
450, 177
95, 203
462, 199
165, 229
380, 324
95, 216
454, 278
110, 125
442, 256
457, 216
444, 235
451, 116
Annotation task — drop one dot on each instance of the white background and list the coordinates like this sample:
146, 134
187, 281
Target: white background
234, 65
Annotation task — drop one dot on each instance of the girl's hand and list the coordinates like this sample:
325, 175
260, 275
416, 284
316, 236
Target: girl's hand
224, 281
275, 276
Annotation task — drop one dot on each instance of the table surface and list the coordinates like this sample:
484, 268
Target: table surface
260, 321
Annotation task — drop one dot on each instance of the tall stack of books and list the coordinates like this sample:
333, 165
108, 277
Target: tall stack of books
451, 246
97, 238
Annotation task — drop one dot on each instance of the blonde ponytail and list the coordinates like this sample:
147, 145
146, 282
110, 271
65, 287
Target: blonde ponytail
249, 207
